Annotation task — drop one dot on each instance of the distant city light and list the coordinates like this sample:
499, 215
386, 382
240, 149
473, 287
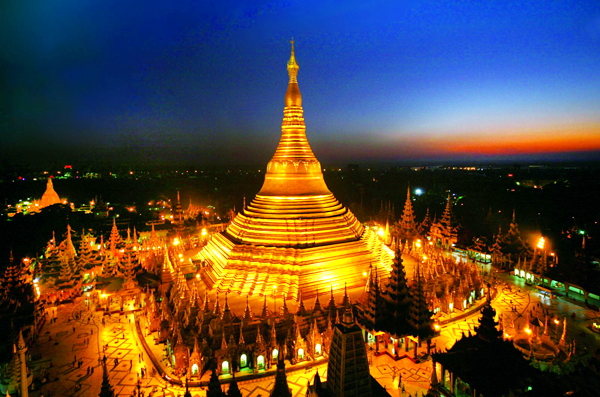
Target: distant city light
418, 192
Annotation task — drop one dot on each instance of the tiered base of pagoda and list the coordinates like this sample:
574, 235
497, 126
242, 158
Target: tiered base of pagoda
295, 221
258, 271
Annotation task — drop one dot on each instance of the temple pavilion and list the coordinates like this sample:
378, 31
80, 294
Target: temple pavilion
294, 236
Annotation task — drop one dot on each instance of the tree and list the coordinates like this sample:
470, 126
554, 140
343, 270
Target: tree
397, 296
419, 316
373, 312
214, 386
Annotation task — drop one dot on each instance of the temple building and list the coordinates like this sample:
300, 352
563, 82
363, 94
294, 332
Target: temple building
483, 364
444, 233
294, 236
348, 367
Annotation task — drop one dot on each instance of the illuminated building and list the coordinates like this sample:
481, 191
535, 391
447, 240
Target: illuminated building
348, 367
444, 232
407, 228
50, 196
294, 235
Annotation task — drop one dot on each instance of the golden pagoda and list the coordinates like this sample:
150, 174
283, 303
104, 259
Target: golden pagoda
295, 236
50, 196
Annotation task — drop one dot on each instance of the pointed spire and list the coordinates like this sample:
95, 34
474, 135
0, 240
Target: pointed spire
285, 308
273, 334
317, 306
292, 66
214, 386
206, 302
21, 342
70, 247
234, 389
281, 388
301, 310
317, 381
226, 317
247, 312
217, 310
259, 337
196, 347
265, 311
346, 300
241, 341
223, 341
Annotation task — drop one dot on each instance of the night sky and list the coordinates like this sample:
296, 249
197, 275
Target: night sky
195, 82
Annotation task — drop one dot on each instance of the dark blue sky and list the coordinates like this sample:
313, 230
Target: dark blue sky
194, 82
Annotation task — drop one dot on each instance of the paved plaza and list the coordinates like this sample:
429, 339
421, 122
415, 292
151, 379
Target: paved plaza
72, 343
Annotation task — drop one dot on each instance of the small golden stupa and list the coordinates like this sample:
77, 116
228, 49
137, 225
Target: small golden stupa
295, 237
50, 196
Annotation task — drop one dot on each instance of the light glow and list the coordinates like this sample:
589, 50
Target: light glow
541, 243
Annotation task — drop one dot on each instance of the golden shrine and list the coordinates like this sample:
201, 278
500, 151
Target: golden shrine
295, 236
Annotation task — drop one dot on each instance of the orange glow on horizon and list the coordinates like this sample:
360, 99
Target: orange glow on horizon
576, 139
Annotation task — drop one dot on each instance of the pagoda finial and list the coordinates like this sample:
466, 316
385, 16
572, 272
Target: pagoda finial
292, 62
21, 341
206, 302
292, 96
346, 300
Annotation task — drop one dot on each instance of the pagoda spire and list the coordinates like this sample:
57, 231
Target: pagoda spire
226, 317
265, 310
70, 247
293, 149
301, 309
217, 310
21, 349
317, 307
206, 302
281, 387
285, 308
407, 224
247, 312
346, 300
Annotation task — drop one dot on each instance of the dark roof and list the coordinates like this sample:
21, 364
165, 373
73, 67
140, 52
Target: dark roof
493, 367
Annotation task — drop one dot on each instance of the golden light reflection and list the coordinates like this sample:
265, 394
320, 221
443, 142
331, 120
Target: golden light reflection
541, 243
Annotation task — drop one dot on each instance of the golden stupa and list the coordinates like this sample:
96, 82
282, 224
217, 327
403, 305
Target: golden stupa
50, 196
295, 237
